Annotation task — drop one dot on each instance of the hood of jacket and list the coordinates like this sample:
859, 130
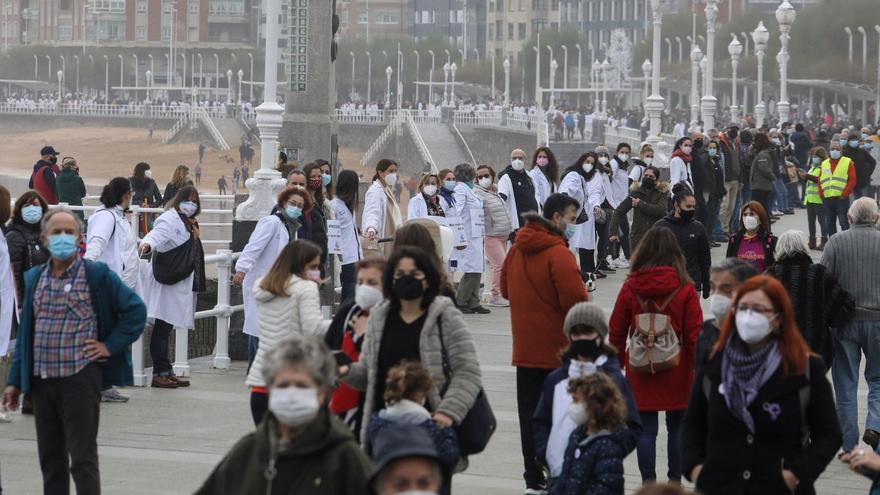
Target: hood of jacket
67, 175
323, 433
262, 295
41, 163
662, 187
538, 234
796, 259
670, 217
654, 282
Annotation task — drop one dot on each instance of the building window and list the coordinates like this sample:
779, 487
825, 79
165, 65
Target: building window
142, 7
104, 6
522, 30
226, 7
194, 9
362, 18
499, 30
141, 33
65, 31
499, 6
387, 18
510, 30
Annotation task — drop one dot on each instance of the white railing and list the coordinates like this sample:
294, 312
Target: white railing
362, 116
543, 133
426, 116
614, 135
175, 129
138, 111
462, 142
380, 141
522, 120
478, 118
205, 119
669, 139
250, 124
420, 143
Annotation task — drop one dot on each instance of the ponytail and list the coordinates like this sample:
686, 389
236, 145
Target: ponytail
405, 381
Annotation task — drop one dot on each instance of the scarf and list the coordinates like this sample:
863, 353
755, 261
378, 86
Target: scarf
584, 368
744, 373
434, 208
682, 155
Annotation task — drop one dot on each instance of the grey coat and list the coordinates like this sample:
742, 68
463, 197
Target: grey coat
762, 171
495, 218
466, 380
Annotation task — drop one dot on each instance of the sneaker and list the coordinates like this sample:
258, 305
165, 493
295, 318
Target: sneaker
480, 310
534, 491
112, 395
163, 382
5, 418
620, 263
181, 382
776, 213
498, 302
604, 267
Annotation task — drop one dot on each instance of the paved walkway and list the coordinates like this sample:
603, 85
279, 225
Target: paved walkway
167, 441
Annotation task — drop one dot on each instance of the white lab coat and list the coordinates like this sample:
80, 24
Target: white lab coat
619, 181
174, 304
590, 194
505, 188
376, 204
418, 207
680, 171
543, 187
471, 258
8, 304
349, 238
111, 240
266, 242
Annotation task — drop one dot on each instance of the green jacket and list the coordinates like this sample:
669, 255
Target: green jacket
121, 316
652, 207
323, 459
71, 189
762, 177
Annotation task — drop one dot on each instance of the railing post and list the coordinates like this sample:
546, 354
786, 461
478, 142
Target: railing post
137, 362
221, 349
181, 351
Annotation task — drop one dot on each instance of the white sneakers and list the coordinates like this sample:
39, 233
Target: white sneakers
620, 262
498, 302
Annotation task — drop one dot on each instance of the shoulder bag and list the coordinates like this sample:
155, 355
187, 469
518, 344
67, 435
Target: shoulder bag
479, 424
177, 264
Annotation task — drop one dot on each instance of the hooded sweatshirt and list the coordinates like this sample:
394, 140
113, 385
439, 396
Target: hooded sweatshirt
43, 180
694, 246
542, 281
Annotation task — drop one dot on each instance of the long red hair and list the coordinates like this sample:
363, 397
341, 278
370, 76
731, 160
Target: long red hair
795, 350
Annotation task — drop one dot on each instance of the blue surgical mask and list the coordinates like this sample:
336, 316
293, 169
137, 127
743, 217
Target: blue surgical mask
62, 246
816, 160
570, 229
188, 208
853, 143
449, 185
32, 213
842, 142
869, 146
835, 154
325, 179
713, 152
293, 211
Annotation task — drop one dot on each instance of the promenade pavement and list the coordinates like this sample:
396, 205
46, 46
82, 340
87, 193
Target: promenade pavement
168, 441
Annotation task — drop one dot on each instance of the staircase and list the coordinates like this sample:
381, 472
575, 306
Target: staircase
568, 152
441, 142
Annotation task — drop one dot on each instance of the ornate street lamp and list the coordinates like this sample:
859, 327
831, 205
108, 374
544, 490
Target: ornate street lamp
735, 49
553, 66
597, 67
388, 72
506, 65
646, 71
709, 104
606, 69
785, 16
452, 69
760, 36
696, 57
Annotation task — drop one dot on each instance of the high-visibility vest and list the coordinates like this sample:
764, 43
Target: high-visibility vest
834, 183
811, 195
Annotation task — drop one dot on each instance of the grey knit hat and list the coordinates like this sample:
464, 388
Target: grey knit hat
588, 315
602, 149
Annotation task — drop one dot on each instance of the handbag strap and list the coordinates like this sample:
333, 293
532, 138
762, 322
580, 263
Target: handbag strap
444, 358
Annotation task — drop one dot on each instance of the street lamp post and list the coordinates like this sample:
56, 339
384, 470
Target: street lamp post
369, 77
537, 72
50, 67
152, 68
696, 57
564, 66
202, 73
606, 71
646, 71
149, 83
446, 84
63, 66
595, 75
121, 70
785, 16
76, 59
134, 55
217, 76
417, 77
452, 69
553, 66
60, 75
864, 34
746, 39
36, 68
228, 86
250, 74
493, 79
735, 49
580, 67
388, 72
709, 104
668, 50
351, 95
849, 33
431, 79
106, 80
655, 104
240, 77
760, 36
680, 53
461, 52
506, 66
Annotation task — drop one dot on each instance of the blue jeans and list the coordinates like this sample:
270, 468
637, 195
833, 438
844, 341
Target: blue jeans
865, 191
794, 200
835, 211
646, 450
850, 342
780, 195
253, 345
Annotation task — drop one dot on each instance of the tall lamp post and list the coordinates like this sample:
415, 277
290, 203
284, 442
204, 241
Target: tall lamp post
250, 74
735, 49
240, 77
134, 55
106, 80
431, 78
494, 100
597, 67
60, 75
849, 33
388, 72
202, 74
36, 68
655, 104
564, 66
680, 52
417, 77
452, 69
864, 34
760, 36
646, 71
76, 59
351, 95
446, 84
696, 56
121, 70
228, 86
149, 83
50, 67
217, 79
785, 16
668, 50
553, 66
606, 70
709, 104
369, 77
506, 66
537, 49
580, 71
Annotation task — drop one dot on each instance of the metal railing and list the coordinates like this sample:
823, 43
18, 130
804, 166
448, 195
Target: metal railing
420, 143
139, 111
363, 116
426, 116
614, 135
380, 141
462, 142
478, 118
202, 116
175, 129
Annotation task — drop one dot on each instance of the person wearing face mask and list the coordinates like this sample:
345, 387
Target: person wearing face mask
517, 189
864, 164
406, 462
595, 449
680, 164
640, 164
497, 228
446, 185
619, 192
471, 259
540, 279
709, 187
812, 200
544, 173
754, 241
647, 199
307, 449
409, 326
43, 177
7, 290
603, 218
145, 193
587, 354
320, 196
26, 249
762, 176
288, 302
269, 237
837, 181
428, 202
725, 277
820, 304
659, 282
691, 236
779, 197
77, 320
381, 214
346, 333
728, 147
344, 206
171, 301
583, 182
761, 415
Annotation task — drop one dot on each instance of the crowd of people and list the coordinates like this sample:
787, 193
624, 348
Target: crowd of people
387, 396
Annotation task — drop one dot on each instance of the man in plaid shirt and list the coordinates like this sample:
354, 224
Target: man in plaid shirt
77, 320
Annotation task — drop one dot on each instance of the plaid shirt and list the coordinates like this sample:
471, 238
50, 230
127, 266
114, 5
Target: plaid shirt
63, 320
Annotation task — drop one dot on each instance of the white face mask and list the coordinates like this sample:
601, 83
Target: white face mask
648, 160
188, 208
391, 179
313, 275
623, 157
485, 182
148, 174
430, 189
578, 413
719, 304
588, 167
294, 406
603, 160
750, 223
517, 164
752, 326
366, 296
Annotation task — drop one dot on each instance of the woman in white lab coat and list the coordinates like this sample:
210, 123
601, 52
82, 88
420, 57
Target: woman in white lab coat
269, 237
428, 203
469, 260
7, 282
171, 305
583, 182
544, 174
381, 215
680, 164
344, 207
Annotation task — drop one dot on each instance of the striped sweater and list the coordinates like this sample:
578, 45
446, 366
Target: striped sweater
851, 256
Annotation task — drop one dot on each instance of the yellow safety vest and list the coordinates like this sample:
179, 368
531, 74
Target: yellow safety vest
811, 196
833, 184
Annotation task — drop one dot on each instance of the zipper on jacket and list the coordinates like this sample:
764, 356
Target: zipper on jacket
270, 474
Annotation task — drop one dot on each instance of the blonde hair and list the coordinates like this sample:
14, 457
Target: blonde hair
178, 178
405, 381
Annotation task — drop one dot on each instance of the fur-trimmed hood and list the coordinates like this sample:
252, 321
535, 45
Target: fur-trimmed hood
661, 186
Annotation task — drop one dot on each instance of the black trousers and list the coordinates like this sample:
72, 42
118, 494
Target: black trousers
623, 242
66, 412
159, 348
259, 406
588, 262
762, 197
529, 382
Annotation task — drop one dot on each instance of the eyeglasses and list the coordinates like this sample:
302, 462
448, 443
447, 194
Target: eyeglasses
767, 312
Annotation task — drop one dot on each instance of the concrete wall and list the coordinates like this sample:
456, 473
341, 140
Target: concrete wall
493, 146
13, 123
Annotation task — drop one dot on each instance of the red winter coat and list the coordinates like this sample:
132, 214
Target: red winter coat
666, 390
542, 281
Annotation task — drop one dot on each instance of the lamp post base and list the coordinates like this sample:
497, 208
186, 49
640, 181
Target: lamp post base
654, 108
266, 183
708, 107
784, 108
760, 112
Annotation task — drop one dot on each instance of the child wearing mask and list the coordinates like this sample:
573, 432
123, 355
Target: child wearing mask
596, 448
587, 329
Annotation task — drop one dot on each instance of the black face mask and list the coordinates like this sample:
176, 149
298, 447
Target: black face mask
698, 144
648, 183
408, 288
687, 215
732, 135
586, 348
53, 160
